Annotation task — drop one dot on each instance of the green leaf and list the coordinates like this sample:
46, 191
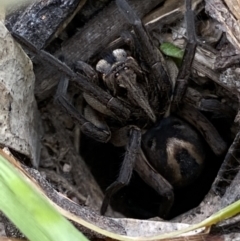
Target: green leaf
171, 50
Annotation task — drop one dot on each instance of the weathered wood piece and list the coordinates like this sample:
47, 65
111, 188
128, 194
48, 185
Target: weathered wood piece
44, 20
228, 22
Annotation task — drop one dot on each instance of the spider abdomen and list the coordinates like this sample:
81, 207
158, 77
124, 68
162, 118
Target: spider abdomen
175, 150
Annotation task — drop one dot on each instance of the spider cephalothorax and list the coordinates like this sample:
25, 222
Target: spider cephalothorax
124, 79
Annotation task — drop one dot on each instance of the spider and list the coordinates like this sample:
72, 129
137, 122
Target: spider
130, 106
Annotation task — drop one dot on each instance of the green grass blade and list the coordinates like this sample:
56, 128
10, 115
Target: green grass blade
29, 210
225, 213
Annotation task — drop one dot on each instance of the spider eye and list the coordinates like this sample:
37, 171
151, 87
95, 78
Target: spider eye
116, 75
125, 68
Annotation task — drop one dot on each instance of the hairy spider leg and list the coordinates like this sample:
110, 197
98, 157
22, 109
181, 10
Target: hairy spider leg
132, 149
189, 53
87, 127
113, 104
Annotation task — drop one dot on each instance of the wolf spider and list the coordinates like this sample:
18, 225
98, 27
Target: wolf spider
130, 106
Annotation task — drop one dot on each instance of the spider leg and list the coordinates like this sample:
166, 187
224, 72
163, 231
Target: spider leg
92, 76
193, 103
149, 53
205, 127
132, 149
98, 132
157, 182
113, 104
207, 104
88, 70
185, 70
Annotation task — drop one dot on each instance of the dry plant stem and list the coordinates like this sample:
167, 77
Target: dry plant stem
218, 10
168, 13
228, 61
205, 63
234, 6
